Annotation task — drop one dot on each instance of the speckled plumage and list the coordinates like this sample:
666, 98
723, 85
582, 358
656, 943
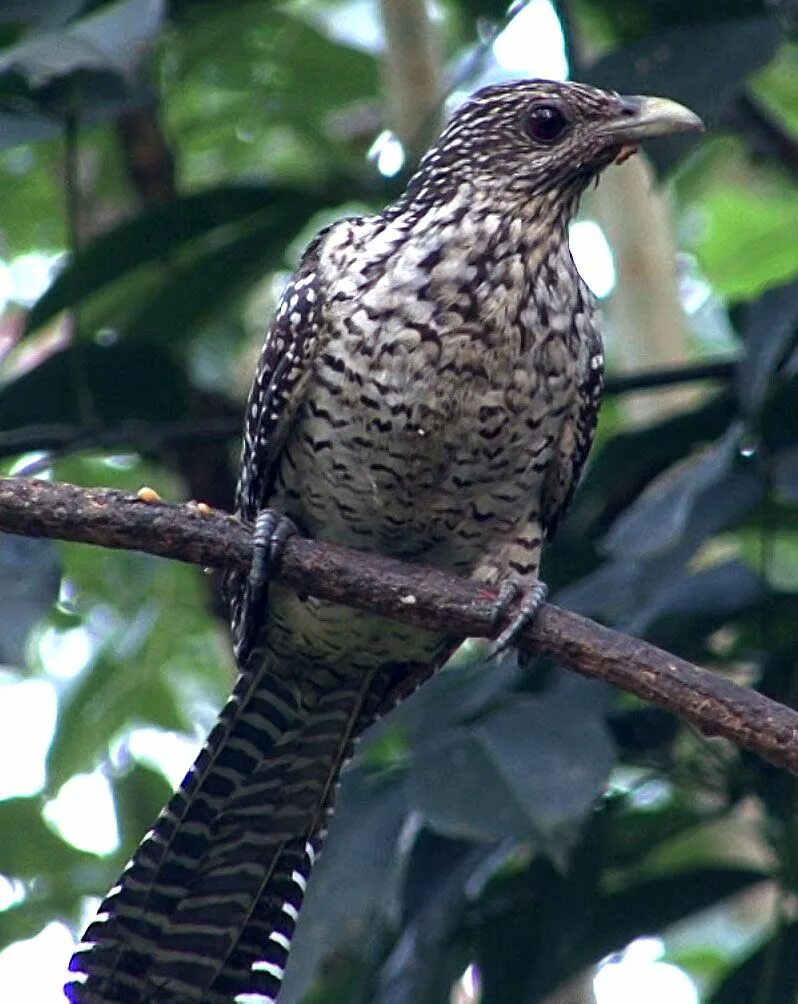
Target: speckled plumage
428, 389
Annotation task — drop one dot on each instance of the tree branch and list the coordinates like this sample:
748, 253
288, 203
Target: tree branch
140, 435
425, 597
670, 376
412, 70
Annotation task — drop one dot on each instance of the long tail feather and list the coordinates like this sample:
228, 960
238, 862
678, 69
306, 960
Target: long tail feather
112, 960
206, 909
259, 860
259, 957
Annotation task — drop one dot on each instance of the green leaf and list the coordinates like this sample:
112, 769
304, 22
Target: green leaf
24, 920
301, 74
634, 833
202, 287
777, 85
156, 276
770, 328
350, 889
122, 382
114, 39
149, 238
659, 518
18, 127
163, 640
629, 460
766, 226
139, 795
30, 848
30, 574
541, 928
91, 713
631, 19
655, 904
427, 957
769, 976
465, 688
502, 776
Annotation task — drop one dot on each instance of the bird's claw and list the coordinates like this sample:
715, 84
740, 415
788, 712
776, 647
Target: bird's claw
272, 530
532, 599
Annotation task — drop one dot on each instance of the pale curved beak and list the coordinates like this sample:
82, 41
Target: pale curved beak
643, 118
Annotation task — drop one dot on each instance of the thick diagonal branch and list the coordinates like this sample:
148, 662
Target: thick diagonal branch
409, 593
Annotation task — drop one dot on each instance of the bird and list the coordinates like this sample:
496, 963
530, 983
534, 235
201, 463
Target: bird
428, 389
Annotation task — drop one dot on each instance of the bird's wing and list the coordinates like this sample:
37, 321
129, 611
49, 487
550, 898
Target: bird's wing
284, 365
284, 368
576, 439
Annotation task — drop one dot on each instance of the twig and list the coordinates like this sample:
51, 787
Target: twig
72, 194
148, 159
413, 594
670, 376
140, 435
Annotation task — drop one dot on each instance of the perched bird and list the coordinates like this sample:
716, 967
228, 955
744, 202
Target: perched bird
428, 389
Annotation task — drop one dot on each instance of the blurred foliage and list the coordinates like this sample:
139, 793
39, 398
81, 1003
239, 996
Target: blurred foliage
519, 818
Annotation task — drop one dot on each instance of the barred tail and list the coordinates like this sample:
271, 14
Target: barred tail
118, 947
230, 936
206, 909
253, 971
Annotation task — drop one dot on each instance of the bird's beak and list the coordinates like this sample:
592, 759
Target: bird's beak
643, 118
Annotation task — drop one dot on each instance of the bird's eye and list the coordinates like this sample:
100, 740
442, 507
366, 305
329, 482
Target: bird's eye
545, 123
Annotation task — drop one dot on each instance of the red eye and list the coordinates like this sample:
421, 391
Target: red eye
545, 123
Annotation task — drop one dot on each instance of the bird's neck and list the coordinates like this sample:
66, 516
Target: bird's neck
480, 218
482, 252
509, 196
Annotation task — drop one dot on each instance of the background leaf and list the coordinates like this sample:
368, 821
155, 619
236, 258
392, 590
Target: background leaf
30, 575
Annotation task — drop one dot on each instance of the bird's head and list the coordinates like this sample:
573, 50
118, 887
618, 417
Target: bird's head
536, 137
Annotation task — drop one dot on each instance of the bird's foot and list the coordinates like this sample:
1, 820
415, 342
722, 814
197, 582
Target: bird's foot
272, 530
269, 535
532, 599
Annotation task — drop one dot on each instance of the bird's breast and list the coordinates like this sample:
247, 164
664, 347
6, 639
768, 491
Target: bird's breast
404, 435
438, 397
